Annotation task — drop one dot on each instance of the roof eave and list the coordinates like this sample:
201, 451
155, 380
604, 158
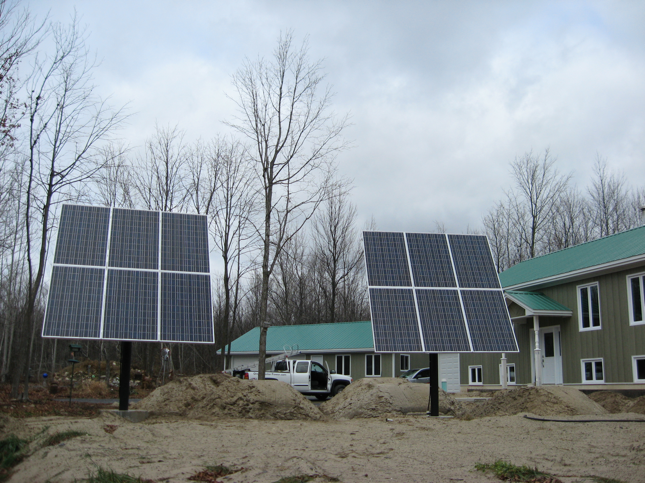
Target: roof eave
579, 274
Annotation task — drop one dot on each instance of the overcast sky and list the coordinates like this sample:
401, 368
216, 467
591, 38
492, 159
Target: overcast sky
442, 95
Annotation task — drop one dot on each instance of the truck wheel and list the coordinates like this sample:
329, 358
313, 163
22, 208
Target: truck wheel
337, 389
321, 397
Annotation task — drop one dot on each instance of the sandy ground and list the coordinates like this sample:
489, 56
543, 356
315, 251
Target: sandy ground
378, 444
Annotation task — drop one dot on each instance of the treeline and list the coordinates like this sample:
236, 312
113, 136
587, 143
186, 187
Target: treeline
543, 211
283, 230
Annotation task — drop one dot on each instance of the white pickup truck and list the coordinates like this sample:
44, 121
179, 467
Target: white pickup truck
308, 377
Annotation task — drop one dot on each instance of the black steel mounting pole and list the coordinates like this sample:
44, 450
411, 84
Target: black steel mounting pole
434, 384
124, 380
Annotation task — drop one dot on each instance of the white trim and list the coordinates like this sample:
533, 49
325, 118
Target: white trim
591, 327
350, 363
592, 360
481, 374
630, 299
380, 365
634, 368
508, 372
580, 273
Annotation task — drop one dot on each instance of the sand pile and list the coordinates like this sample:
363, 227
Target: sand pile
370, 398
541, 401
209, 396
617, 403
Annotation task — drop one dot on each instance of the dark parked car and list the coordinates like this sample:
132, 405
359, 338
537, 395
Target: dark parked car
417, 375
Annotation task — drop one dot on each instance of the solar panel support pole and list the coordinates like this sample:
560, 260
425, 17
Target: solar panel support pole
434, 384
124, 380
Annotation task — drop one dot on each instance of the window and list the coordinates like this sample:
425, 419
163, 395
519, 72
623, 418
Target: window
638, 364
510, 373
475, 375
343, 365
636, 291
592, 371
405, 362
373, 365
302, 367
589, 307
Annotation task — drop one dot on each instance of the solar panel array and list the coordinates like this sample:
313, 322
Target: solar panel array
135, 275
435, 293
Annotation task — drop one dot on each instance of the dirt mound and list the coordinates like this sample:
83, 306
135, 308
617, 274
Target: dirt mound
210, 396
371, 398
617, 403
541, 401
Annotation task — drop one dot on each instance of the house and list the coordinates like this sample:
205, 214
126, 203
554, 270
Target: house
345, 347
579, 318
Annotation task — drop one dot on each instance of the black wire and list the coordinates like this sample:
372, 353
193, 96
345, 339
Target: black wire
586, 420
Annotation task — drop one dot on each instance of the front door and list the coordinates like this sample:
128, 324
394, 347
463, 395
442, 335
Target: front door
551, 355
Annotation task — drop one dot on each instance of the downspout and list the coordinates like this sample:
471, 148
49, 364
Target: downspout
538, 353
504, 374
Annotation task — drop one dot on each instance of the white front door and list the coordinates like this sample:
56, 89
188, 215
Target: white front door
551, 355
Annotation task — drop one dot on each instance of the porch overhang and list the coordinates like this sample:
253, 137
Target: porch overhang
536, 304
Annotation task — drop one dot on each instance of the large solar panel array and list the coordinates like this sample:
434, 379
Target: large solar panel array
435, 293
135, 275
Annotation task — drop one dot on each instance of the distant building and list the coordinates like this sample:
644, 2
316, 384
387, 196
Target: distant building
345, 347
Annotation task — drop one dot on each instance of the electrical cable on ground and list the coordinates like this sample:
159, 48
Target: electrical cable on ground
586, 420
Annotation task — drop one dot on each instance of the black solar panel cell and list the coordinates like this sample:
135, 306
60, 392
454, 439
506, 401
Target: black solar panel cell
74, 305
134, 241
82, 235
386, 259
131, 305
184, 242
490, 326
394, 320
442, 321
473, 261
185, 307
430, 260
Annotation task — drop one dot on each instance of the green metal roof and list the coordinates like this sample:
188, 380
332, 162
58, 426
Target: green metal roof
606, 250
308, 337
536, 301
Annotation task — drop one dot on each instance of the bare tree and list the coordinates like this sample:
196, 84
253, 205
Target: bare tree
609, 200
337, 246
285, 115
160, 177
571, 222
66, 124
538, 187
113, 180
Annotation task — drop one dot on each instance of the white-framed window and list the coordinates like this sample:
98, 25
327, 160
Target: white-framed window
589, 307
593, 371
475, 375
373, 365
510, 373
405, 362
344, 364
638, 365
636, 295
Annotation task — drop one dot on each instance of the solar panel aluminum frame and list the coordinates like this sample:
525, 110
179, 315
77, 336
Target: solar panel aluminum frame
107, 269
457, 288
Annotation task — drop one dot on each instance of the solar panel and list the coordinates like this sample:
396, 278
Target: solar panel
181, 300
386, 261
442, 321
473, 261
388, 304
82, 236
488, 319
74, 307
130, 275
430, 260
452, 303
184, 242
131, 305
134, 242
